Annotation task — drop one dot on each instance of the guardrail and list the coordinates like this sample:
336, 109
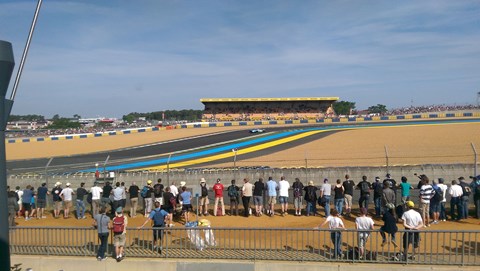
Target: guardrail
280, 244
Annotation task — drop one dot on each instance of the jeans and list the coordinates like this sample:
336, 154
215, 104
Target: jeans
336, 237
311, 208
80, 208
443, 213
464, 202
339, 205
378, 206
246, 206
477, 207
327, 205
364, 200
456, 202
103, 244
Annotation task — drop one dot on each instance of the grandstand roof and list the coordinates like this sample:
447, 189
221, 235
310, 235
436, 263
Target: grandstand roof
292, 99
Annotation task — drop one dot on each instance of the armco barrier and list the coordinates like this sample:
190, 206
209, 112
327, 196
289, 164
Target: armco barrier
254, 244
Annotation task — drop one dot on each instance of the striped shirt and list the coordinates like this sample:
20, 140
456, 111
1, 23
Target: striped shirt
426, 193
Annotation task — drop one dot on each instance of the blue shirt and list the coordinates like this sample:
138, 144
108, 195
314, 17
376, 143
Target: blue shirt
27, 196
42, 192
186, 197
272, 188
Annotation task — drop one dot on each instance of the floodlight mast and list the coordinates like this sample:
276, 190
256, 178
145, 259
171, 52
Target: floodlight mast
7, 64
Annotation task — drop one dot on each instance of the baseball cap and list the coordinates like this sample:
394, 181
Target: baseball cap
182, 183
58, 183
68, 184
149, 182
118, 210
410, 204
377, 178
310, 183
202, 180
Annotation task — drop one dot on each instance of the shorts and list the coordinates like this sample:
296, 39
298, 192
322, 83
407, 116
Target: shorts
425, 209
187, 207
411, 237
204, 201
41, 203
67, 204
282, 199
234, 200
272, 200
58, 205
348, 200
168, 210
257, 200
298, 202
362, 238
119, 239
157, 233
26, 206
159, 200
435, 207
33, 206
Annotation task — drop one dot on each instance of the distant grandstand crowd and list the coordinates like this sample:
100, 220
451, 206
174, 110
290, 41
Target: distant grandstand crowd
431, 109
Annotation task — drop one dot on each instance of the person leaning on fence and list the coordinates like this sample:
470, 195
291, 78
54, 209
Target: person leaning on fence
405, 188
234, 195
119, 228
157, 218
335, 224
426, 194
412, 221
102, 223
456, 194
364, 225
377, 187
298, 196
465, 197
258, 189
186, 198
272, 188
66, 195
26, 201
96, 198
389, 225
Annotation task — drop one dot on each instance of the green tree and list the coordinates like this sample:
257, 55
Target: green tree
56, 117
343, 107
377, 109
77, 116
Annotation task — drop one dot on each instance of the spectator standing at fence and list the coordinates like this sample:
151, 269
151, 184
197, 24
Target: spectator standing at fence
124, 195
388, 196
147, 192
394, 185
339, 197
247, 192
203, 197
364, 186
133, 195
335, 224
435, 202
233, 192
26, 201
12, 206
405, 188
107, 192
348, 185
119, 228
57, 200
102, 223
186, 199
158, 191
258, 189
169, 204
33, 205
389, 225
283, 187
377, 187
443, 187
412, 221
325, 196
157, 218
272, 188
174, 188
66, 195
42, 193
475, 186
117, 196
96, 198
465, 197
364, 225
456, 194
19, 193
218, 192
80, 204
298, 196
311, 198
426, 194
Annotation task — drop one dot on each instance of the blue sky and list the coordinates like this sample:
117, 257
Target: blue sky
112, 57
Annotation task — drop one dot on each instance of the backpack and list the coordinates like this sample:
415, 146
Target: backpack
438, 196
158, 218
118, 224
365, 187
144, 191
378, 188
204, 191
232, 191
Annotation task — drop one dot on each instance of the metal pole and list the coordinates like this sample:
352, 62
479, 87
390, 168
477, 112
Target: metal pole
168, 169
306, 166
235, 163
46, 170
6, 68
386, 157
475, 155
104, 168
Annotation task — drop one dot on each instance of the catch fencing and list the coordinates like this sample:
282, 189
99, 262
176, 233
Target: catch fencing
461, 248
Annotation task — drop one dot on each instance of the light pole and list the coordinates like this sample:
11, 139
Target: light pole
234, 150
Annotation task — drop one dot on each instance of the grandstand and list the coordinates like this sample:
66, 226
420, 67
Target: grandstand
255, 109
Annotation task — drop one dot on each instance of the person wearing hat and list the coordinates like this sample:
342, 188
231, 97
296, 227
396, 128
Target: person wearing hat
389, 225
393, 185
405, 188
456, 194
57, 200
218, 190
412, 221
203, 197
119, 228
66, 195
310, 198
96, 198
377, 196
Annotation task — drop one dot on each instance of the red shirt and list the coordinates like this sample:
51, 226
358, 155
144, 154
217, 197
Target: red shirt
218, 189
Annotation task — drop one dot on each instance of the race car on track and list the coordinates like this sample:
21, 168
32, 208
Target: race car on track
257, 131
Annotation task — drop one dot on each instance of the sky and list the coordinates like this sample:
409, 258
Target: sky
108, 58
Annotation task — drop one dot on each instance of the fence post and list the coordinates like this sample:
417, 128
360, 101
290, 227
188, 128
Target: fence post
474, 160
386, 158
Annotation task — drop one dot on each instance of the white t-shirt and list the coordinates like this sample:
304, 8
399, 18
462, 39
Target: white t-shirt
412, 218
444, 188
326, 189
364, 223
455, 191
96, 192
335, 222
117, 193
67, 194
283, 188
174, 190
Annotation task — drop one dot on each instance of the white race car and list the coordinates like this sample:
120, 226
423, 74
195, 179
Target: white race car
257, 131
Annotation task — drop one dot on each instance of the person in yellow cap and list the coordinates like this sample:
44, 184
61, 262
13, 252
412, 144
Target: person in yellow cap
412, 221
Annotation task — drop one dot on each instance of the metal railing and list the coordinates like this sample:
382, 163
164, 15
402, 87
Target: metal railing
281, 244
